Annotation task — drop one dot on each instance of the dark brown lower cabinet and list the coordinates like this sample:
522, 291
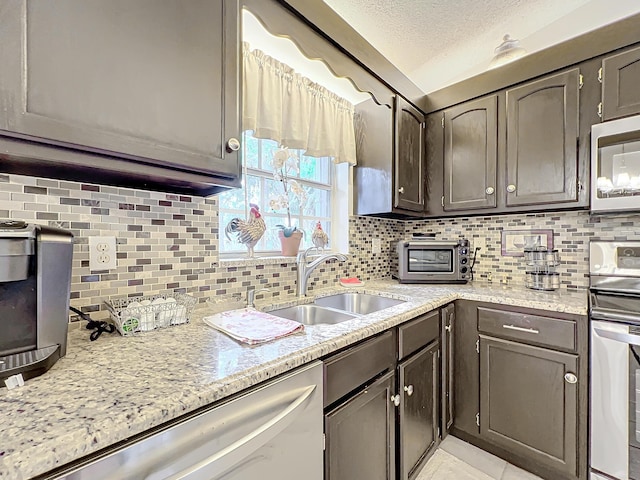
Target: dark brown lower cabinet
382, 403
521, 386
528, 401
447, 375
466, 398
360, 435
418, 379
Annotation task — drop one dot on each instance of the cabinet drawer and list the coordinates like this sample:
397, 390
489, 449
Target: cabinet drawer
417, 333
348, 370
528, 328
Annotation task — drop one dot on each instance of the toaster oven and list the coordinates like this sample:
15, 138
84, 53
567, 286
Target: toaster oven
424, 260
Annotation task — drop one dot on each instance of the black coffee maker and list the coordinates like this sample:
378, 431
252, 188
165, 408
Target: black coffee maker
35, 282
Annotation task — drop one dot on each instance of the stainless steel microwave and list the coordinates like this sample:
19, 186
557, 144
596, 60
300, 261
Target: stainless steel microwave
433, 261
615, 165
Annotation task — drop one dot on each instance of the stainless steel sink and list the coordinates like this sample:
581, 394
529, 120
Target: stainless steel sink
357, 303
312, 315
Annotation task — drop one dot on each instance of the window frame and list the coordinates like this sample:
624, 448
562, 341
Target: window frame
337, 188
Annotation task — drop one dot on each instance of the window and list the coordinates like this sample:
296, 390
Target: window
317, 176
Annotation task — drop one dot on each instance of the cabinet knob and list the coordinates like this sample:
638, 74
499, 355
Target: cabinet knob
401, 190
409, 390
395, 399
570, 378
490, 190
233, 145
447, 328
511, 188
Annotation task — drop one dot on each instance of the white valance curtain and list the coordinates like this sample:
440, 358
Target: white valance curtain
282, 105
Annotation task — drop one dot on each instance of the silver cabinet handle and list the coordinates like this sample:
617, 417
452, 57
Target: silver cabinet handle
401, 190
409, 390
521, 329
570, 378
241, 449
233, 144
395, 399
490, 190
447, 328
511, 188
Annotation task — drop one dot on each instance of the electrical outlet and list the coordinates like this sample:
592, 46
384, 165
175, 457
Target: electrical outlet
376, 245
102, 253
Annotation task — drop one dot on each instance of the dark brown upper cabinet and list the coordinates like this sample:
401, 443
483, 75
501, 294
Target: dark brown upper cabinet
470, 155
542, 140
515, 150
620, 79
148, 91
389, 180
409, 161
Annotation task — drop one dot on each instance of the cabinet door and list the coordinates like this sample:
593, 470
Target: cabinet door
466, 399
448, 316
418, 420
409, 166
620, 80
542, 137
360, 435
155, 81
528, 403
373, 190
470, 155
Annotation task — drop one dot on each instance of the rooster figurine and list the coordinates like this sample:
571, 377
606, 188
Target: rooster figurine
319, 237
248, 232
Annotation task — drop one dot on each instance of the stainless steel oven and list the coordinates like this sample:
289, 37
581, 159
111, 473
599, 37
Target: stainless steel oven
615, 165
615, 360
424, 260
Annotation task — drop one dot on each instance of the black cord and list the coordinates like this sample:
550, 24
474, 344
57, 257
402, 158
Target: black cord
473, 261
96, 325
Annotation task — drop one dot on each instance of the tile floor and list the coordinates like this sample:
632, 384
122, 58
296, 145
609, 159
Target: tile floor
459, 460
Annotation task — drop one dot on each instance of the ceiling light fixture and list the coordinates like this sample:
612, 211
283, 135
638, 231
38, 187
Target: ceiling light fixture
508, 51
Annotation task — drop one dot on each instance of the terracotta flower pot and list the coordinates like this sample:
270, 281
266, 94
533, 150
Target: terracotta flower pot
290, 245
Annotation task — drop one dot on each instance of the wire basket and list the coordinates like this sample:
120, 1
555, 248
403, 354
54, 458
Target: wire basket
142, 314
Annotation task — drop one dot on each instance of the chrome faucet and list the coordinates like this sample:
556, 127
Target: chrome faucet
305, 267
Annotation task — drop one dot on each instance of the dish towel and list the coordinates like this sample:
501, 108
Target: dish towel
251, 326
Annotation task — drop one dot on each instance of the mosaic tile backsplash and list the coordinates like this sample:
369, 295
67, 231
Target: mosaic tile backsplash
169, 243
572, 232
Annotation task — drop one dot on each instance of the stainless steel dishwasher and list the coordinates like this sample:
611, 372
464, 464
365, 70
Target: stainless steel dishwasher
274, 431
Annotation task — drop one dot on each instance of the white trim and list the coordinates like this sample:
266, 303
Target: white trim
341, 206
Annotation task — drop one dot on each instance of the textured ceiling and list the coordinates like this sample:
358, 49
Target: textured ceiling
438, 42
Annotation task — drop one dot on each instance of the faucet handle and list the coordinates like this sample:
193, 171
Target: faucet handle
251, 295
303, 256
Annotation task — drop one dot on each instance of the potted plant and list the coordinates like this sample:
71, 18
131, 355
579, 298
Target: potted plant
285, 165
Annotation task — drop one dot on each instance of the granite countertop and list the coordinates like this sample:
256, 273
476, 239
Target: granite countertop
106, 391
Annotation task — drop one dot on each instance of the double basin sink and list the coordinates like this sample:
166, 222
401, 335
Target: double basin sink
336, 308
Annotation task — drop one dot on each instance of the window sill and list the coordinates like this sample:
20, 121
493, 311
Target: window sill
233, 261
250, 262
